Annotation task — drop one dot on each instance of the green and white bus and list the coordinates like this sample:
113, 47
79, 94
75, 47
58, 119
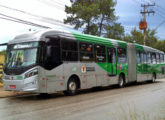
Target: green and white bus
51, 61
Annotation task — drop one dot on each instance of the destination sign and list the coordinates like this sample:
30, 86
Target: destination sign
25, 45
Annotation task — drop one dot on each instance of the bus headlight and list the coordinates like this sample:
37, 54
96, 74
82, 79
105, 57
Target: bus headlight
31, 73
6, 77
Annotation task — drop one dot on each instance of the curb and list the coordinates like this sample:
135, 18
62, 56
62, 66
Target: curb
13, 94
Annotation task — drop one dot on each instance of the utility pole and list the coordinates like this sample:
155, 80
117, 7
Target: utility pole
144, 21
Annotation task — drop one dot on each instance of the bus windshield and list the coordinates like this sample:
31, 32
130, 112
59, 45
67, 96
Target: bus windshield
21, 57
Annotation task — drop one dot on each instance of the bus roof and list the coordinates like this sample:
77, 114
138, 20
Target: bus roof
36, 35
39, 35
99, 40
147, 48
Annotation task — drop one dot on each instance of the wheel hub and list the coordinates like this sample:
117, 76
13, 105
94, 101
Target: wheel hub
121, 82
72, 86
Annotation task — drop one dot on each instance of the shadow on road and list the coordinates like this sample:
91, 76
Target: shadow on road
34, 97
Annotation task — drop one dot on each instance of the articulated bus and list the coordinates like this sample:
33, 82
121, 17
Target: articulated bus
51, 61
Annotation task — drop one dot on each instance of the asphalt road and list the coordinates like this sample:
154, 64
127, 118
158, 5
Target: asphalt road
142, 101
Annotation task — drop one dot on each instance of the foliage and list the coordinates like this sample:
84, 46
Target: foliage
151, 39
97, 17
115, 31
3, 52
138, 37
160, 45
94, 15
135, 36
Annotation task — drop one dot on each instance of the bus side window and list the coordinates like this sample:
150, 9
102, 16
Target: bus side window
149, 58
138, 57
161, 58
121, 55
99, 53
144, 58
69, 50
111, 55
153, 57
86, 51
157, 58
53, 53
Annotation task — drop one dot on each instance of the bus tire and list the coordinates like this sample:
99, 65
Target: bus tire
72, 87
121, 81
153, 78
44, 95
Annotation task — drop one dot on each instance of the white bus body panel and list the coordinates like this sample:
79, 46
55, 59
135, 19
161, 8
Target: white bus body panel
28, 84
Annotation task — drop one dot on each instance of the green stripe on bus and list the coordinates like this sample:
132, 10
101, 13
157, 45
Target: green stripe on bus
19, 77
122, 44
103, 66
92, 39
139, 47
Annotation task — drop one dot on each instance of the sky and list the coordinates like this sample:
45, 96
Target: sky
129, 15
127, 10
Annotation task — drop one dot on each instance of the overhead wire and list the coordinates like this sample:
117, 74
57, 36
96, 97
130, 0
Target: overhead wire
24, 22
157, 7
21, 21
46, 19
49, 3
160, 24
159, 13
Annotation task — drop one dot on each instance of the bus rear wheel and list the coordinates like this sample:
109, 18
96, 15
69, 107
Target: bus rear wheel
121, 81
72, 87
153, 77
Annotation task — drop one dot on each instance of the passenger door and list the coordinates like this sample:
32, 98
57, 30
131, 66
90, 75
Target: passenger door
111, 67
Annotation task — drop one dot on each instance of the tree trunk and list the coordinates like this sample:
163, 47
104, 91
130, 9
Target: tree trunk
101, 25
88, 27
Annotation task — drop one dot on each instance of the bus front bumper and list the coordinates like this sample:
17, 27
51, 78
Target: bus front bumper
28, 85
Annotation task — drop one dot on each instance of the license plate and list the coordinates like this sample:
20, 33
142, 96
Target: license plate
12, 86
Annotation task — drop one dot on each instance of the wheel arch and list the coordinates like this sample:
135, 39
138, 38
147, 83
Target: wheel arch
76, 78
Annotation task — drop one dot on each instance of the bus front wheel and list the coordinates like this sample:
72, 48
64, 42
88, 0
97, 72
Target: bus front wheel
72, 87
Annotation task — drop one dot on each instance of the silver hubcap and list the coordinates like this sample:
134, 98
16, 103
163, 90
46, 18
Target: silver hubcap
72, 86
121, 82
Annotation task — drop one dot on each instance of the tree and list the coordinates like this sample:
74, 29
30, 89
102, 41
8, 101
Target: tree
3, 52
105, 14
115, 31
94, 15
160, 45
138, 37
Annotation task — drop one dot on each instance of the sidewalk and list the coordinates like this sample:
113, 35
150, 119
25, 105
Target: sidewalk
4, 94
